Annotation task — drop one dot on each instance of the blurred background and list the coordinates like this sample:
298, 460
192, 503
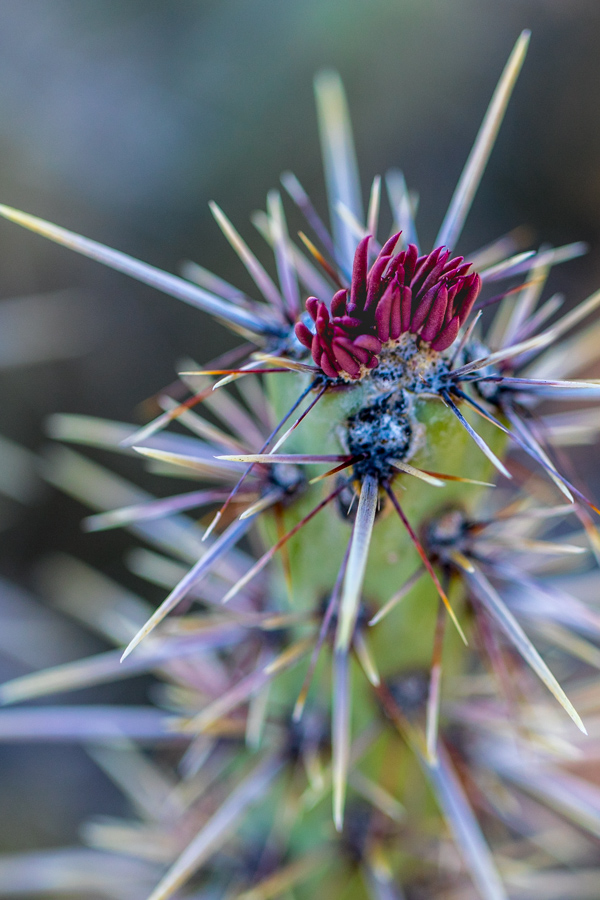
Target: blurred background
121, 121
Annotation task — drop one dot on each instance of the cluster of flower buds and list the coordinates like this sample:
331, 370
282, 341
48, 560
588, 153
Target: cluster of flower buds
429, 295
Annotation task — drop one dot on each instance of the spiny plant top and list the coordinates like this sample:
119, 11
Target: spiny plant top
388, 334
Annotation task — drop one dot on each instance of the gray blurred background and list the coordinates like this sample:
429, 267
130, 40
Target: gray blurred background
122, 120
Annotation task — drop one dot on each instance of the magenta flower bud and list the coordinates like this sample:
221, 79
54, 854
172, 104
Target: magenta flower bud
430, 296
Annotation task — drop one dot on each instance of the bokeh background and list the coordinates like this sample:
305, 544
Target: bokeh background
121, 121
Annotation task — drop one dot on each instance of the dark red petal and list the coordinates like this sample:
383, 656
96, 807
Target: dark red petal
349, 322
410, 262
303, 334
453, 289
435, 319
312, 306
327, 351
447, 336
397, 268
368, 342
382, 315
374, 280
406, 308
427, 257
322, 319
338, 303
452, 265
459, 272
388, 247
396, 315
427, 262
360, 355
453, 293
358, 287
471, 296
330, 370
316, 349
433, 274
422, 311
347, 362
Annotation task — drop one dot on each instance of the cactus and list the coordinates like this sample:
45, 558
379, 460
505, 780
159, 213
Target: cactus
357, 709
